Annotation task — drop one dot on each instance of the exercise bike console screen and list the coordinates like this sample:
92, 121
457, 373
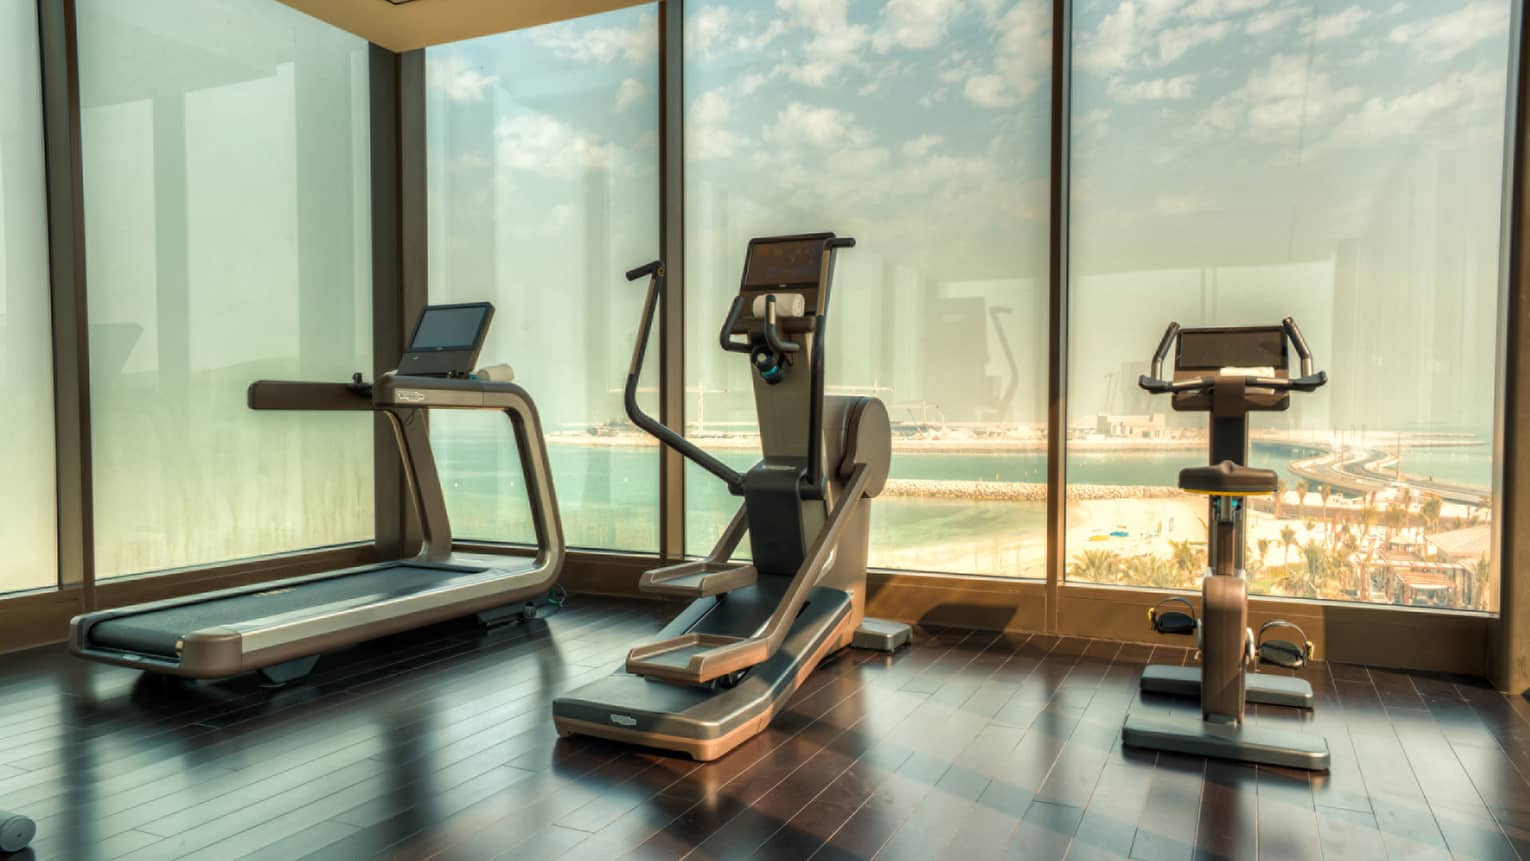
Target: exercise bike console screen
447, 339
1215, 349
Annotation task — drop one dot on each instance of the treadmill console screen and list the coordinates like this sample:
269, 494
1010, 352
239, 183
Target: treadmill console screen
1215, 349
775, 263
446, 340
449, 328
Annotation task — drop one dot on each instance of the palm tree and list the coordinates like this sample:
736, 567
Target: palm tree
1187, 558
1326, 491
1480, 574
1280, 493
1287, 540
1301, 500
1393, 518
1429, 510
1150, 570
1097, 566
1264, 548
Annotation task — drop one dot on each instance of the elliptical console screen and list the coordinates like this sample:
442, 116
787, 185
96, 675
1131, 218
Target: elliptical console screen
448, 328
775, 263
1249, 347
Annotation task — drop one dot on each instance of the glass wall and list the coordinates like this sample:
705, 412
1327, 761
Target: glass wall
1237, 163
543, 189
921, 130
227, 207
28, 512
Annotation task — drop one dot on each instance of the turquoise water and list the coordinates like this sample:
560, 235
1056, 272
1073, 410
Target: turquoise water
608, 495
1465, 464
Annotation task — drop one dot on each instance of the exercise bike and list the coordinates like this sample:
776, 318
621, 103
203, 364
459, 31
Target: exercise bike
1229, 372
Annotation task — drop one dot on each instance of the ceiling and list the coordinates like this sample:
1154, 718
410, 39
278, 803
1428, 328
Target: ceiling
418, 23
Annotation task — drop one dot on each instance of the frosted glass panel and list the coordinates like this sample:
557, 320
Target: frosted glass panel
544, 188
227, 215
28, 510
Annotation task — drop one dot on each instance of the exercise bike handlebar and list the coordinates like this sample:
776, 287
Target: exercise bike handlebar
1308, 381
679, 443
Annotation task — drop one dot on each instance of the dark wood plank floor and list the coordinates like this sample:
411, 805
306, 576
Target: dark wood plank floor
967, 745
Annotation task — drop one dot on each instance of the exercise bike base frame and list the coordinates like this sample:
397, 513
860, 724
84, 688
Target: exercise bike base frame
1262, 688
1244, 742
881, 635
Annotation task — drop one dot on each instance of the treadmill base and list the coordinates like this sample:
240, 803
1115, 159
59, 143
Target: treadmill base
289, 671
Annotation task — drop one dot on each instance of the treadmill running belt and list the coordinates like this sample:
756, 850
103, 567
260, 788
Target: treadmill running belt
157, 631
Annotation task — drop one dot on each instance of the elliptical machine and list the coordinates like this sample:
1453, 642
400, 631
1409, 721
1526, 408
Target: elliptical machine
1229, 372
753, 632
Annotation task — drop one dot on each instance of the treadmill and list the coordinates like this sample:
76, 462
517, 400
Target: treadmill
280, 628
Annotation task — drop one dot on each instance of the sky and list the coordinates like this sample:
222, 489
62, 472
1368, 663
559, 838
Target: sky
1234, 161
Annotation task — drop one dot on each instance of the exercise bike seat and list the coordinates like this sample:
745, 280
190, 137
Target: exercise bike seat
1228, 479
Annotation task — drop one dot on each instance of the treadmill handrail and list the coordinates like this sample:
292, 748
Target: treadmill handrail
303, 395
685, 447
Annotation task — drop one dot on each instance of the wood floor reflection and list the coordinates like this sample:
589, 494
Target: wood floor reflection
439, 744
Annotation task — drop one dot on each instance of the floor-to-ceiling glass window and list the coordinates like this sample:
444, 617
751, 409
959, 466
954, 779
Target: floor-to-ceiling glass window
543, 189
920, 129
28, 514
1236, 163
226, 184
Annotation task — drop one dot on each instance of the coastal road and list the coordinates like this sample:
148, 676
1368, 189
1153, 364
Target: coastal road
1361, 471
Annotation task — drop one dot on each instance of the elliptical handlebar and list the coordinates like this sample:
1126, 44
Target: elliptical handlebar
1309, 380
841, 242
645, 269
696, 454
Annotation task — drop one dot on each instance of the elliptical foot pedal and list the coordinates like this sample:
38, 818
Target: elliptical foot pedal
881, 635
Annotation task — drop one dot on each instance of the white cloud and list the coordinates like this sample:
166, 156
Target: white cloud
835, 45
988, 91
540, 144
711, 108
707, 28
628, 94
915, 24
1339, 24
1407, 114
859, 160
1175, 42
1177, 88
1222, 8
1446, 36
1271, 20
578, 41
1154, 33
704, 142
1022, 58
1277, 97
921, 146
820, 126
451, 76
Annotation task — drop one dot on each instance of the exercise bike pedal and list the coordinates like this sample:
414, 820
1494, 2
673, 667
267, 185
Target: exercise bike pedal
1174, 622
1288, 654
